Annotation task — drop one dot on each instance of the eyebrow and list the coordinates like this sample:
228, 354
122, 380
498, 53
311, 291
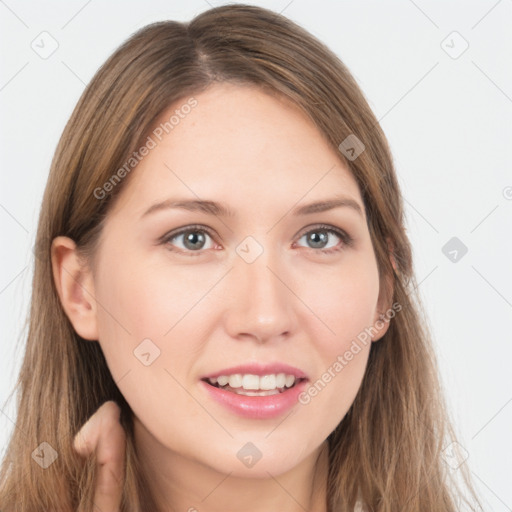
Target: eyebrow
218, 209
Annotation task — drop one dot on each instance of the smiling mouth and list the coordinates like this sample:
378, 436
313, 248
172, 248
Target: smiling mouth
253, 387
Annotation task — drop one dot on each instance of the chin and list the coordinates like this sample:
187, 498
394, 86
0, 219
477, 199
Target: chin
250, 462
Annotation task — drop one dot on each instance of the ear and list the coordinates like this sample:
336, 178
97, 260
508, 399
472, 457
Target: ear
381, 319
75, 287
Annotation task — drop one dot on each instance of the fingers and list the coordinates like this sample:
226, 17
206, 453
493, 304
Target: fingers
104, 434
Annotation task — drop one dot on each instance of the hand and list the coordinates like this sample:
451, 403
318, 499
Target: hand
104, 434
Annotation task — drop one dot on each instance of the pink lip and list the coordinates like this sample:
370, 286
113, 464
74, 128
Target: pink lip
259, 369
257, 407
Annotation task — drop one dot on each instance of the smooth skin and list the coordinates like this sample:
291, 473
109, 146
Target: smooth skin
103, 434
206, 308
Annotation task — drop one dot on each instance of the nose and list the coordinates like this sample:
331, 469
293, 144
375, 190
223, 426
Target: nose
262, 302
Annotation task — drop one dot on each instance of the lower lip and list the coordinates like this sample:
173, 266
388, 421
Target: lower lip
257, 407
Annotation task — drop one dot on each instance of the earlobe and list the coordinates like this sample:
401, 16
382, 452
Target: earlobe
380, 326
381, 320
75, 287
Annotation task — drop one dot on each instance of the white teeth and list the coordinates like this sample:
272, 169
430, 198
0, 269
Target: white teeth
222, 380
235, 381
242, 391
268, 382
252, 382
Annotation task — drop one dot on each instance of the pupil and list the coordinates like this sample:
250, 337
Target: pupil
315, 238
192, 239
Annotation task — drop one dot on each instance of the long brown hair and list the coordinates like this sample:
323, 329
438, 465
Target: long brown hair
388, 449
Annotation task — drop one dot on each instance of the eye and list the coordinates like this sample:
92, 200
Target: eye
194, 238
319, 238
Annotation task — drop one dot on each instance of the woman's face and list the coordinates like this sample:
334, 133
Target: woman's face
266, 286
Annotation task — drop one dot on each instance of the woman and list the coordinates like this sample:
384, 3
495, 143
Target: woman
223, 301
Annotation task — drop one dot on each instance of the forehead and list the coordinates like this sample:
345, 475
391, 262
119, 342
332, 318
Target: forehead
238, 145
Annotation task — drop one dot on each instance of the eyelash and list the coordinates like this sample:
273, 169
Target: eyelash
346, 239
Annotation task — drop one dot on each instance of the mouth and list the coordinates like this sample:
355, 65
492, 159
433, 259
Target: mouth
256, 392
255, 385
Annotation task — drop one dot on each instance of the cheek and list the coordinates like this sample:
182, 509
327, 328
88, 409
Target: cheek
150, 322
145, 324
340, 328
147, 303
343, 303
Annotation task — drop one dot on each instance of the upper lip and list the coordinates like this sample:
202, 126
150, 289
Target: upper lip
259, 369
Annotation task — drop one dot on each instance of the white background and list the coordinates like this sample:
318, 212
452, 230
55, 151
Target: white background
448, 121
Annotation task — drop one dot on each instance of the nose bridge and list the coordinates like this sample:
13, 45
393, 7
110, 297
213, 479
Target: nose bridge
261, 302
